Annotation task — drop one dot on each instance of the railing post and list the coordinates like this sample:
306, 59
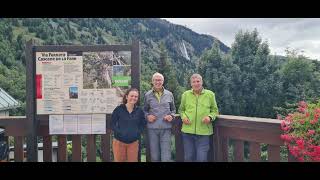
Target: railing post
177, 124
211, 150
221, 145
76, 148
273, 153
255, 152
62, 148
238, 150
105, 146
217, 143
106, 141
47, 148
18, 149
147, 144
91, 148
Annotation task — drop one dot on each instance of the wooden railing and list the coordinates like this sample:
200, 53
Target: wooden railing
235, 128
253, 130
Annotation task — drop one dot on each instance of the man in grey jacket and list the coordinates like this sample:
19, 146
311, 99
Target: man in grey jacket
160, 110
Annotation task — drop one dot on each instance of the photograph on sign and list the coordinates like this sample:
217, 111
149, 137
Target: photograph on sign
121, 76
73, 92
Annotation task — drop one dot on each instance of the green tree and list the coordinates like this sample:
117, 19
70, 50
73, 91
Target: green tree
170, 80
299, 78
219, 73
259, 85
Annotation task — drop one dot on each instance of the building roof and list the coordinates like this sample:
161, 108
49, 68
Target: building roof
6, 101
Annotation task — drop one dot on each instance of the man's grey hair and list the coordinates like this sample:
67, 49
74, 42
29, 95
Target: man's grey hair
157, 74
196, 76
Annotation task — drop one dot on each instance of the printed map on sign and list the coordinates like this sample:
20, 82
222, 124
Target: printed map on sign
81, 82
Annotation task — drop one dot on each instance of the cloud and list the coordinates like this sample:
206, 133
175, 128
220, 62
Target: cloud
280, 33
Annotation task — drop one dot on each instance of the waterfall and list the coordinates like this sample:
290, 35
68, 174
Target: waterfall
184, 51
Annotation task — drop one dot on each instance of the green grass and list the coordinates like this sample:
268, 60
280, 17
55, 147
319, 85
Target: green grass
143, 158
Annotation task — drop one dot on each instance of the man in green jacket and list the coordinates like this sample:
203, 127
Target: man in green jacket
198, 109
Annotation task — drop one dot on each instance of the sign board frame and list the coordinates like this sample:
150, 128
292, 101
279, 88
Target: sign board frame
34, 120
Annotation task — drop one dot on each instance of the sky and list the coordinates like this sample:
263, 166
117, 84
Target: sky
295, 33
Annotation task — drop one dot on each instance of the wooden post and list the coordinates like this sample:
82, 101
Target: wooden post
106, 141
62, 148
238, 150
76, 148
177, 124
18, 149
91, 148
255, 152
32, 143
135, 74
47, 148
147, 144
135, 64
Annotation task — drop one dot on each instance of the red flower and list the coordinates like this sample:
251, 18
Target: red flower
294, 150
307, 114
302, 121
300, 143
314, 121
286, 137
300, 159
287, 128
300, 132
317, 110
311, 132
283, 125
301, 109
316, 149
303, 104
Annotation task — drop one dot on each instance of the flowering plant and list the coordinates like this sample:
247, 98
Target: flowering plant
302, 132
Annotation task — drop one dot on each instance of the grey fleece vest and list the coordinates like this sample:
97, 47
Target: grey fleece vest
159, 109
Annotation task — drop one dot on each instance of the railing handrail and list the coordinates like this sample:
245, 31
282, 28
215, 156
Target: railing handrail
246, 118
265, 124
12, 117
14, 123
4, 121
250, 123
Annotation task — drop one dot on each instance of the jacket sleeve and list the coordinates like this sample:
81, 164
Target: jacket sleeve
146, 106
172, 107
182, 107
115, 120
213, 108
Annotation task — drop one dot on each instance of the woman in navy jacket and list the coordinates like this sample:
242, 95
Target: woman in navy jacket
127, 124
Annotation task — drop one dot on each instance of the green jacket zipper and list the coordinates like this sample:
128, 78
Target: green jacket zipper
195, 129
